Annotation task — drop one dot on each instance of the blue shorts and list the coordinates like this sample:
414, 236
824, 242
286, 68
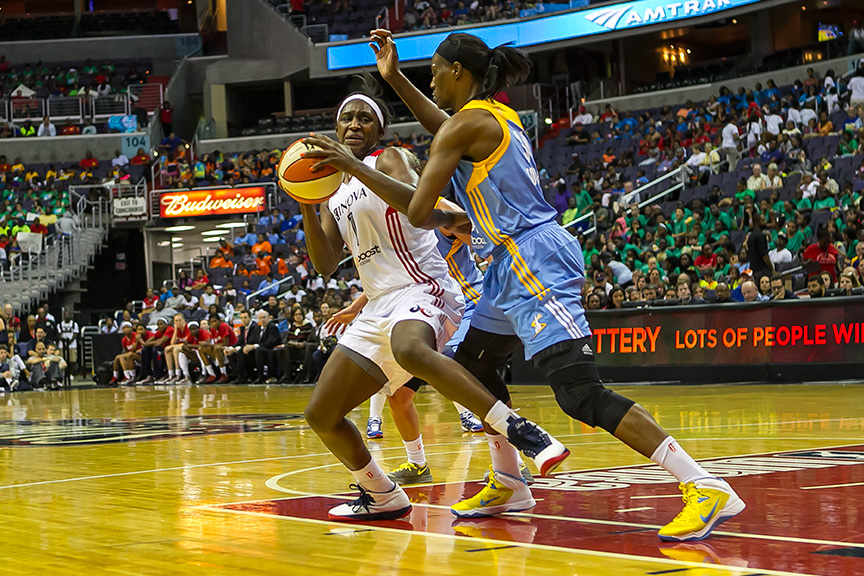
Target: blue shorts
534, 290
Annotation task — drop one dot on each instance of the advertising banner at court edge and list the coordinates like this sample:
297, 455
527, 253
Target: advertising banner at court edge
217, 202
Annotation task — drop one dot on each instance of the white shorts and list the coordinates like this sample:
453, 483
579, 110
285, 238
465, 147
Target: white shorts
369, 335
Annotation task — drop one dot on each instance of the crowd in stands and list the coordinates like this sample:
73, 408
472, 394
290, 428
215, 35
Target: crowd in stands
92, 24
257, 313
773, 179
43, 189
36, 351
26, 85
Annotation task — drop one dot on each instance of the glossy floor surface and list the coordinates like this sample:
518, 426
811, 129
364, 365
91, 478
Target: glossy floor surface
229, 480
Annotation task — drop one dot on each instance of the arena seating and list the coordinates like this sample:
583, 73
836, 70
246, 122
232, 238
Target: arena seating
92, 24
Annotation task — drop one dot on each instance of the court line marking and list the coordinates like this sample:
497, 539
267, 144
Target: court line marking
596, 553
659, 496
273, 482
640, 509
832, 486
848, 442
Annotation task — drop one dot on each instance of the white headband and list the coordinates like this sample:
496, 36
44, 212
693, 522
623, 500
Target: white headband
367, 100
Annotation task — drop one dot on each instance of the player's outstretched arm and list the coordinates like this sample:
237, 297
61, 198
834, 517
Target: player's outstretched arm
387, 59
323, 240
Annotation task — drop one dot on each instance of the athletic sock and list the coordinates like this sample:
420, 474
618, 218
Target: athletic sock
184, 364
129, 374
459, 408
519, 460
504, 456
117, 374
223, 371
373, 478
415, 450
498, 415
376, 405
672, 458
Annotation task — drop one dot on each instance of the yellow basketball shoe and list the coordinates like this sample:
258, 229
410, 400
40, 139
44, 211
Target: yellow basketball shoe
410, 473
502, 493
707, 503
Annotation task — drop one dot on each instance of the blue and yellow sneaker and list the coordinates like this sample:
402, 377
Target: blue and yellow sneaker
502, 493
707, 503
526, 474
373, 428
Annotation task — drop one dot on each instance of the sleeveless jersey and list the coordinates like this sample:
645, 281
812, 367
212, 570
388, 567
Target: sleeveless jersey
460, 263
388, 252
502, 194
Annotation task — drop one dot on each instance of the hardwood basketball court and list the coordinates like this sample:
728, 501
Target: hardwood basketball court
230, 480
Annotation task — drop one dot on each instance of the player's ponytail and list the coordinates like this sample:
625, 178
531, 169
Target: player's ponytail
493, 68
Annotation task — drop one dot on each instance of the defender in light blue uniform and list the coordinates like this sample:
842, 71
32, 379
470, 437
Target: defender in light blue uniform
513, 223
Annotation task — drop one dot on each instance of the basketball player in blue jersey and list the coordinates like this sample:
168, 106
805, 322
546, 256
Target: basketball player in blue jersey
462, 268
531, 291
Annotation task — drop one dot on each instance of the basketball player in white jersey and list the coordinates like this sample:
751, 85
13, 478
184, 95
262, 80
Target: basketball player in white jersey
414, 307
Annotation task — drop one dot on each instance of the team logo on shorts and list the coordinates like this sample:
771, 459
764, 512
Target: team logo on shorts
422, 310
537, 325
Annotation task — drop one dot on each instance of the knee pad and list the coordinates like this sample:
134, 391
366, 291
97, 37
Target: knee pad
578, 389
482, 353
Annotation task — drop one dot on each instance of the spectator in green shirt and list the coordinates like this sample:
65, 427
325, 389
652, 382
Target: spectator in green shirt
848, 144
796, 237
801, 203
743, 192
824, 200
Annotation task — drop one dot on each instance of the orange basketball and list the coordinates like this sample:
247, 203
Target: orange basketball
299, 182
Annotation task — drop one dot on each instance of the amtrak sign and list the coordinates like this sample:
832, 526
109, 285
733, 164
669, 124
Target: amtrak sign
642, 13
540, 30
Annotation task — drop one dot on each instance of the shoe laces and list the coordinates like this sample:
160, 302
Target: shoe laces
363, 501
690, 497
407, 466
527, 436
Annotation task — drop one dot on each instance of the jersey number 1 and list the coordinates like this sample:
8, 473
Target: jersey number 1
354, 227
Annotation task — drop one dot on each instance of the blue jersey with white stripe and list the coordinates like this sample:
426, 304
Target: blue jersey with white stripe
502, 194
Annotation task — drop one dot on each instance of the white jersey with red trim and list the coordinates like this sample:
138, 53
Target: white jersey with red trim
388, 252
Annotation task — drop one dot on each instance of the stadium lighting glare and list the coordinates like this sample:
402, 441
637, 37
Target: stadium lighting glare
211, 239
548, 121
163, 243
181, 228
231, 225
213, 233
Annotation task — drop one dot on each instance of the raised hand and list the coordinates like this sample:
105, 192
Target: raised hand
386, 56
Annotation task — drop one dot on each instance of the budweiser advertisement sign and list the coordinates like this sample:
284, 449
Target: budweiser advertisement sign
216, 202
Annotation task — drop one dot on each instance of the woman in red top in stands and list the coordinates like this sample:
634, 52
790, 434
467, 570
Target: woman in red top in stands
201, 280
125, 361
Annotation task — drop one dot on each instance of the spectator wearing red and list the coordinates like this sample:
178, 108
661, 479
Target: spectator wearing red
69, 129
141, 158
707, 259
824, 254
38, 228
89, 162
166, 117
150, 300
201, 280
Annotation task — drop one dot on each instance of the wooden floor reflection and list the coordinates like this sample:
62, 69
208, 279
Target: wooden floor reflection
229, 480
